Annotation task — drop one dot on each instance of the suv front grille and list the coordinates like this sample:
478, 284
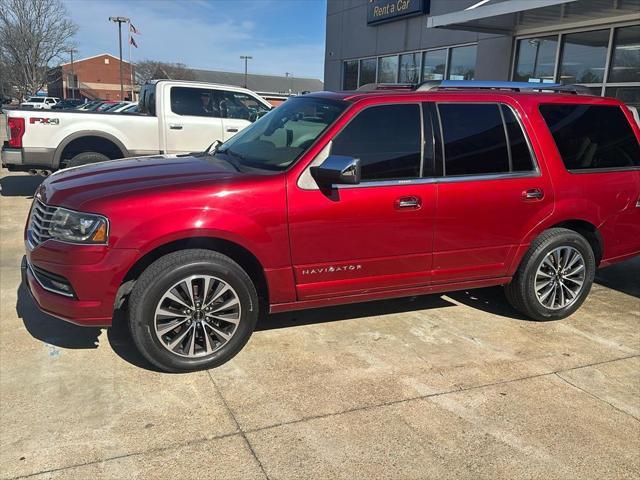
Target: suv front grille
40, 222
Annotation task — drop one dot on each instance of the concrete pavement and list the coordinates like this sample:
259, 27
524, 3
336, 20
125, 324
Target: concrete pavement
440, 386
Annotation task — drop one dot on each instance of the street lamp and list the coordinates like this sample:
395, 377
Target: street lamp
120, 21
246, 58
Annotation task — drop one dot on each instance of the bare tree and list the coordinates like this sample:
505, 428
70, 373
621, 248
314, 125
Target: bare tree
150, 69
33, 33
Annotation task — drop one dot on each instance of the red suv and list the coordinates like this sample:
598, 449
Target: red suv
343, 197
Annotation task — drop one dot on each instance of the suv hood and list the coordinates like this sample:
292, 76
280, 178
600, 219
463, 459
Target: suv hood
75, 187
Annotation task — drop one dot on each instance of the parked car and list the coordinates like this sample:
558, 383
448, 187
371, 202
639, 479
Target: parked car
181, 117
336, 198
40, 103
106, 105
135, 108
67, 104
118, 106
90, 106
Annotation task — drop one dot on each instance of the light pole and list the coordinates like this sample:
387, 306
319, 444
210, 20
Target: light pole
246, 58
120, 21
289, 75
73, 75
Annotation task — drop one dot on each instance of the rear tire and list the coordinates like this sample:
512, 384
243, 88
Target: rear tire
213, 308
86, 158
554, 277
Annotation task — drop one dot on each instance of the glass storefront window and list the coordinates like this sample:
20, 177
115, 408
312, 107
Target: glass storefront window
434, 64
536, 59
350, 78
625, 64
388, 69
584, 56
629, 95
409, 68
462, 65
368, 71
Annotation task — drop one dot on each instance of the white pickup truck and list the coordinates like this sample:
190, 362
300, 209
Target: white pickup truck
175, 116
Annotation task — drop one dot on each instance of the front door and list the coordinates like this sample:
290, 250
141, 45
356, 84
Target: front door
376, 235
238, 110
193, 120
491, 194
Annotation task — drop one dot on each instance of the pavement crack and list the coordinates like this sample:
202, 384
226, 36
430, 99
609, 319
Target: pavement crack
240, 430
593, 395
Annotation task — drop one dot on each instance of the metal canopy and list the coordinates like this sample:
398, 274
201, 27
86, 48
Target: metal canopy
509, 17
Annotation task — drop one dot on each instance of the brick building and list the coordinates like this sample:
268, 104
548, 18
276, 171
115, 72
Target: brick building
91, 78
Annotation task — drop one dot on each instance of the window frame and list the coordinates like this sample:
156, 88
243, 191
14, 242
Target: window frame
586, 171
535, 172
211, 90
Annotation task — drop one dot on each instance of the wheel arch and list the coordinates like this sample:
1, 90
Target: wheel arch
589, 231
88, 135
241, 255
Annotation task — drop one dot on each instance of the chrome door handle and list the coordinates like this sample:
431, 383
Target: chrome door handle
533, 194
408, 203
175, 126
232, 130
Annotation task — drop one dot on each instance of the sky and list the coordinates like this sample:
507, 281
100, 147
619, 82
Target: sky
281, 35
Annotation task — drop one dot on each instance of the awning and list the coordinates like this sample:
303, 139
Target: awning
511, 17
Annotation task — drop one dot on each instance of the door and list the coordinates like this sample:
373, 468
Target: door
491, 193
192, 121
376, 235
238, 110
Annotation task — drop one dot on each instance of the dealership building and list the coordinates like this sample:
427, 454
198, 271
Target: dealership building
590, 42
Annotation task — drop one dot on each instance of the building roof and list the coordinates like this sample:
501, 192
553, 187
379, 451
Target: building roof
94, 56
273, 84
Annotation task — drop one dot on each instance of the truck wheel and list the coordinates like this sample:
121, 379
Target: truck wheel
85, 158
554, 277
192, 310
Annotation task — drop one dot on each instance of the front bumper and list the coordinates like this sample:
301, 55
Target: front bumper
94, 273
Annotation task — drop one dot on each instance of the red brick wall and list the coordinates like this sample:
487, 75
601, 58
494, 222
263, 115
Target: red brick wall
98, 79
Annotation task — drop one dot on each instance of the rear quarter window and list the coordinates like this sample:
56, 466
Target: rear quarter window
592, 136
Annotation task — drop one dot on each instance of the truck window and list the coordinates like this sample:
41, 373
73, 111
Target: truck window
240, 105
474, 139
387, 139
592, 136
521, 160
196, 102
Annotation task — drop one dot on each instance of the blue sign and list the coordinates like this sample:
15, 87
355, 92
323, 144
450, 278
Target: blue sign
379, 11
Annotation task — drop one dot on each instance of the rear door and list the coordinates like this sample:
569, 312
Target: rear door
376, 235
492, 192
192, 119
238, 110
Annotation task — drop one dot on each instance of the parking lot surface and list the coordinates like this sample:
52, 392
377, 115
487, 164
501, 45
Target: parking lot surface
439, 386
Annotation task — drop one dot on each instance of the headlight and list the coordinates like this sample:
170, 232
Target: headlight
67, 225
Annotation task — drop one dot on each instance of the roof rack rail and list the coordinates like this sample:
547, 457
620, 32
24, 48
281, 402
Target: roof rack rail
513, 86
369, 87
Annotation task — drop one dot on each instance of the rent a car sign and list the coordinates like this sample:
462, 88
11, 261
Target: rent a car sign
379, 11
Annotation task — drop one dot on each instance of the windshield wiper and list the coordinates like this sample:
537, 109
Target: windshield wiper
227, 156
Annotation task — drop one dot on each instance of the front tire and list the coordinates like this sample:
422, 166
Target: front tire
554, 277
192, 310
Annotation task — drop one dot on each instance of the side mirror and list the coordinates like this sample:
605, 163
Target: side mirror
337, 169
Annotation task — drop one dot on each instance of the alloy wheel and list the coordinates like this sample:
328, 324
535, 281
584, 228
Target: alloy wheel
197, 316
560, 278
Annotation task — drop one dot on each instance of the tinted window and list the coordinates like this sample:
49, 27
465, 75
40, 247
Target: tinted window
520, 154
409, 68
584, 56
350, 77
592, 136
462, 65
433, 64
386, 139
625, 65
199, 102
536, 59
368, 71
474, 139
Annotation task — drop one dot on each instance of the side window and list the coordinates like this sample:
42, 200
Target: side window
519, 148
241, 106
474, 139
387, 139
592, 136
197, 102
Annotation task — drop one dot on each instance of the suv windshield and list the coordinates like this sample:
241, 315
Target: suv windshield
279, 138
